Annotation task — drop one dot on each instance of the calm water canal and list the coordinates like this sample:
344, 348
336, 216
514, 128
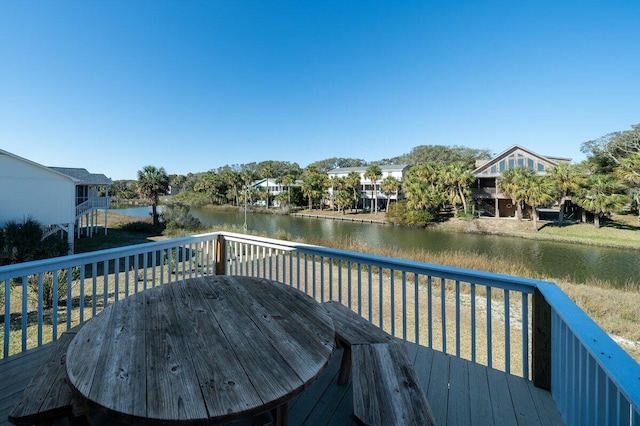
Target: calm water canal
558, 260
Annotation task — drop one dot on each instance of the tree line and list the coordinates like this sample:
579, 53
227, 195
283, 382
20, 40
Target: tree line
439, 178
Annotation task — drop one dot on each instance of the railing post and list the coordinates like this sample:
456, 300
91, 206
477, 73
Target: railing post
541, 356
221, 256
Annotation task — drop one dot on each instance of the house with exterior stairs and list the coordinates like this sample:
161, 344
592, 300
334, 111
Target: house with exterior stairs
63, 200
488, 199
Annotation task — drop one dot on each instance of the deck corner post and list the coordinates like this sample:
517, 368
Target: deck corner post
221, 256
541, 341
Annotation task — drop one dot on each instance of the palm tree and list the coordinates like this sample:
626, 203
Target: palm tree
512, 183
337, 183
538, 191
390, 185
266, 173
352, 181
247, 176
153, 182
374, 173
462, 176
449, 181
629, 171
601, 197
23, 242
420, 193
314, 184
566, 180
286, 180
342, 199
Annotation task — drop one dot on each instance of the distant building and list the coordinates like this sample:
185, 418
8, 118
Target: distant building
494, 203
270, 187
367, 187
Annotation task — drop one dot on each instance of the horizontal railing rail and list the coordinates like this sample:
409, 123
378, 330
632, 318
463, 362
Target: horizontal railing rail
519, 325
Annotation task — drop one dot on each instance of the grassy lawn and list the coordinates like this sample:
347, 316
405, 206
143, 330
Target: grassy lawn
122, 231
622, 231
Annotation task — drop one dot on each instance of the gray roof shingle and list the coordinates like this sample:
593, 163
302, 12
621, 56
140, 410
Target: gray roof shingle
83, 176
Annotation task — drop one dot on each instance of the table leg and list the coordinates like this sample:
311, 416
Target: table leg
280, 414
345, 366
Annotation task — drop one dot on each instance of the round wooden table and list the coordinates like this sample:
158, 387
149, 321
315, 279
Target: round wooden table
205, 350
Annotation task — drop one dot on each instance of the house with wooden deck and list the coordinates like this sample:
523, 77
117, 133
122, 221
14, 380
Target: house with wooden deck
62, 199
488, 198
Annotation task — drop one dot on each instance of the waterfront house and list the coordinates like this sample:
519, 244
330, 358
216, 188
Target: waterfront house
65, 200
366, 189
491, 201
269, 188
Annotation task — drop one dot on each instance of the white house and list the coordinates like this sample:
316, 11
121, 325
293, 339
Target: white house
273, 188
366, 186
61, 199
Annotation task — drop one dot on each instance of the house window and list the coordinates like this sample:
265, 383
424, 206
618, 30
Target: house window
520, 162
511, 163
540, 167
530, 164
493, 169
502, 166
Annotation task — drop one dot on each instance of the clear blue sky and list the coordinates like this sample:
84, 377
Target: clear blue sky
190, 86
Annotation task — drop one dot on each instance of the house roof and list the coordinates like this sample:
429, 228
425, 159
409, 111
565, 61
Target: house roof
82, 176
547, 160
33, 163
78, 176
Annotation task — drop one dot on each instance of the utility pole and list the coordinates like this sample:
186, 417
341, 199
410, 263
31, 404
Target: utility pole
244, 227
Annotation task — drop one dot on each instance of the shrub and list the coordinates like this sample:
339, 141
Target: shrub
140, 227
23, 242
419, 217
48, 285
179, 216
20, 241
399, 213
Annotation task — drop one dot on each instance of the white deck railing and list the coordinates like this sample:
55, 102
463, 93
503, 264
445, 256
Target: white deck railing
522, 326
91, 204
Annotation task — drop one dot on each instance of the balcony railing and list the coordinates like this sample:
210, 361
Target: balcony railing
522, 326
92, 204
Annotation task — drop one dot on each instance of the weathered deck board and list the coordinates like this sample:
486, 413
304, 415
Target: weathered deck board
490, 397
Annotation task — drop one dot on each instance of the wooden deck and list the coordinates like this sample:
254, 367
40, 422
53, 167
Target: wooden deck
460, 393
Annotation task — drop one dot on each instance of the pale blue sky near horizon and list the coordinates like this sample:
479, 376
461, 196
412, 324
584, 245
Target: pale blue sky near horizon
192, 86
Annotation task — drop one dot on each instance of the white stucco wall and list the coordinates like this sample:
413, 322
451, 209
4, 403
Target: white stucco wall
30, 190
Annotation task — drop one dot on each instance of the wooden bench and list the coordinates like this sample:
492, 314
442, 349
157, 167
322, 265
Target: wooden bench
48, 396
352, 329
386, 389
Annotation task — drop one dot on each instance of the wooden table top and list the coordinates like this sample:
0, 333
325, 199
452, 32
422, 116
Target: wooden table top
204, 350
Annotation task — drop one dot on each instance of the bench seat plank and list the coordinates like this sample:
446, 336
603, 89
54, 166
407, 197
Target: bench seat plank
352, 329
386, 389
48, 395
